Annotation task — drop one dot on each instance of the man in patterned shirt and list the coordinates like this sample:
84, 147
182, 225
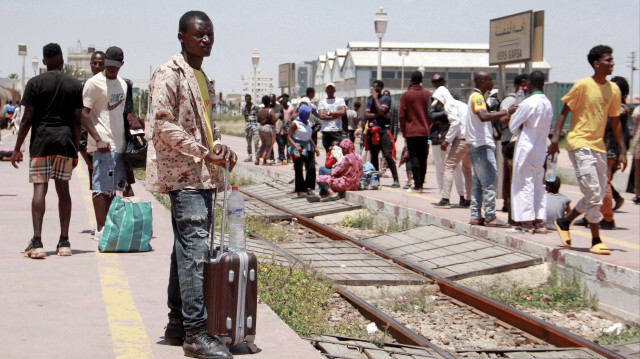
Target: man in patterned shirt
180, 161
250, 113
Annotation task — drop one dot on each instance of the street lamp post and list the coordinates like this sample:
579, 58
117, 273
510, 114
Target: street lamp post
34, 63
22, 51
380, 23
255, 59
402, 53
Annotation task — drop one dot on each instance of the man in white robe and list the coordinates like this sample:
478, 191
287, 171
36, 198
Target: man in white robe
457, 112
531, 123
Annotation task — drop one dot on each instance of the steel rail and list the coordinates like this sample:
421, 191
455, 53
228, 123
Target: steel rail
513, 316
398, 331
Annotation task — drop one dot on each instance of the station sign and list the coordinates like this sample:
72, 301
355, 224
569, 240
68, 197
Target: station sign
516, 38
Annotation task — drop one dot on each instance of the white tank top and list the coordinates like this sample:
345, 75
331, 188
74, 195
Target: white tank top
303, 131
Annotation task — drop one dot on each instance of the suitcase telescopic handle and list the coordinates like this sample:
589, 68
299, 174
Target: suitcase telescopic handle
224, 209
224, 214
212, 230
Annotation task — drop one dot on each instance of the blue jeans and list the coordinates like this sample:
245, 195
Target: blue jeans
483, 191
191, 220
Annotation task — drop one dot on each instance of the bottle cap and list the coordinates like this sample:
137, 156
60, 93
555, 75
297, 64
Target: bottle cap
234, 188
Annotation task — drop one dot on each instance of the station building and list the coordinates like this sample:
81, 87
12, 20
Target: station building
353, 69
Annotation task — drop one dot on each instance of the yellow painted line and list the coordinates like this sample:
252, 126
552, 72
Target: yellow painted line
585, 234
128, 333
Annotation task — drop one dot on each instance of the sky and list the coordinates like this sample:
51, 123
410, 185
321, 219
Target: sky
294, 31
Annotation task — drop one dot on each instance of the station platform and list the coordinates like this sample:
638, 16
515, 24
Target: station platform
615, 279
92, 304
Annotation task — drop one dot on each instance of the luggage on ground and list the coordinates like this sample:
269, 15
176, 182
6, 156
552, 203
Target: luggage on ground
230, 288
127, 227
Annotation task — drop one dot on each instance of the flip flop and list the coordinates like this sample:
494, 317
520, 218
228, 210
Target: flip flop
520, 229
497, 224
600, 248
564, 235
477, 222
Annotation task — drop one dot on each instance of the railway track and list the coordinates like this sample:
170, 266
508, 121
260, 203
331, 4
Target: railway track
533, 329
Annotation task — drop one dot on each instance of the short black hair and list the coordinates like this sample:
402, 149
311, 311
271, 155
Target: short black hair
266, 100
247, 95
310, 90
622, 84
51, 50
416, 77
284, 95
185, 19
357, 104
597, 52
554, 186
97, 53
379, 82
536, 78
519, 79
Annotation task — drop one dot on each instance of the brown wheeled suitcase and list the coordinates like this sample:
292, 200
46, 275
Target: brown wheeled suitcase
231, 289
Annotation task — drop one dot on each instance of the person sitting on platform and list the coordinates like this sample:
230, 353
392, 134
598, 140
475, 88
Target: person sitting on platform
344, 177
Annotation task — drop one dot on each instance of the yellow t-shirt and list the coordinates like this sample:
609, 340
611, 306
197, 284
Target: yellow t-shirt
591, 104
204, 96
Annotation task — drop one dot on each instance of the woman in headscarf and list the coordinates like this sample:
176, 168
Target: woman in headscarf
303, 149
344, 177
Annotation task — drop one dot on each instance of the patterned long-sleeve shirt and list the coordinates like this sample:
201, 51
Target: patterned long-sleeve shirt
178, 145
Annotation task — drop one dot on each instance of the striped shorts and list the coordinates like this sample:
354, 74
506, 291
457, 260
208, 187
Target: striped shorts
56, 167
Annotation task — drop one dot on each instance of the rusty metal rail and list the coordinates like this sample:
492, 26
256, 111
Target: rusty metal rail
400, 332
526, 322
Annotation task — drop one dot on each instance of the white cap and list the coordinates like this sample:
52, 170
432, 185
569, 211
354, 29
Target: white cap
330, 84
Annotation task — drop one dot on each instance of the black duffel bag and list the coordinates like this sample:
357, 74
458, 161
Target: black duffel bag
135, 156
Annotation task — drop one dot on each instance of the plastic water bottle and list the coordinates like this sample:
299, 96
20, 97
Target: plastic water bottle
552, 162
520, 96
236, 218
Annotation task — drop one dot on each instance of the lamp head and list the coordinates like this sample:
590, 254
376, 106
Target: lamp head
380, 22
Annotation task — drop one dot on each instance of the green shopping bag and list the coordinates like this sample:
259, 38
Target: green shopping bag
127, 227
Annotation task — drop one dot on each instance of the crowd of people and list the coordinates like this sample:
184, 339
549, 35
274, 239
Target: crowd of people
185, 150
467, 140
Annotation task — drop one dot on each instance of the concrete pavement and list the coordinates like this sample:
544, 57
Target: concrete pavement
91, 304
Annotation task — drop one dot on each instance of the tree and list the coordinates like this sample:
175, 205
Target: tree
140, 103
13, 76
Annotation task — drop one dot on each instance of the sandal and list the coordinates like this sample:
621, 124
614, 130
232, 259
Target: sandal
497, 224
541, 230
600, 248
564, 234
520, 229
329, 198
477, 222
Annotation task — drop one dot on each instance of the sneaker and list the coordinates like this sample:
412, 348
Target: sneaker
581, 222
607, 224
444, 203
374, 184
465, 203
204, 345
98, 234
63, 249
248, 159
35, 249
395, 184
174, 333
